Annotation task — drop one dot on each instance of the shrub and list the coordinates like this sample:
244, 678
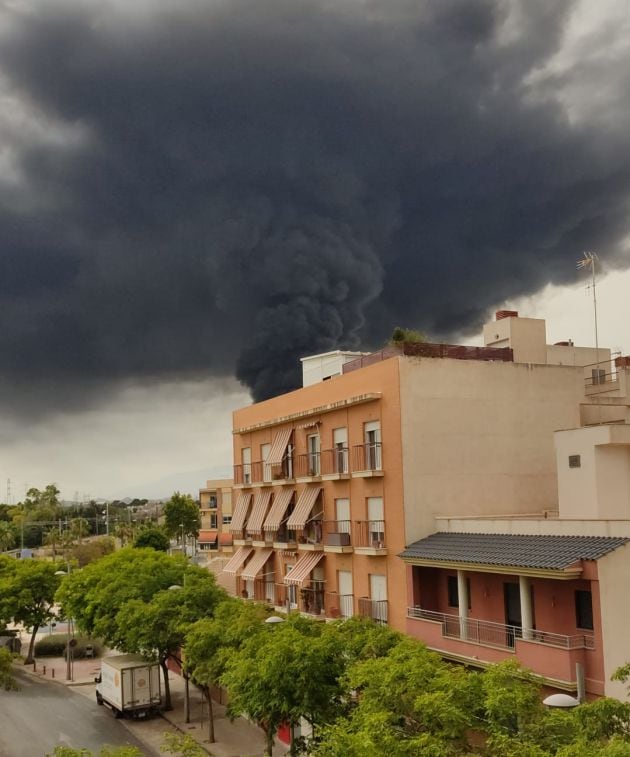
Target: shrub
55, 646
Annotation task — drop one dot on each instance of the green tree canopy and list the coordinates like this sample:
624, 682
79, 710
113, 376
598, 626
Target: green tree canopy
181, 510
152, 537
27, 591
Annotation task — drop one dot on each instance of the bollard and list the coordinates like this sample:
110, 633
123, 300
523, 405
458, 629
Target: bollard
34, 666
53, 672
44, 671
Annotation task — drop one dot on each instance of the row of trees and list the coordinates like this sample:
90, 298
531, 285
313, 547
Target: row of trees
365, 689
41, 520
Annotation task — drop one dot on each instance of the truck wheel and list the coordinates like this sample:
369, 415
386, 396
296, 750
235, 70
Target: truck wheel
99, 698
117, 713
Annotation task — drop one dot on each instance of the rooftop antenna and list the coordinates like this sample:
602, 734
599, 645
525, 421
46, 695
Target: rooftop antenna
590, 260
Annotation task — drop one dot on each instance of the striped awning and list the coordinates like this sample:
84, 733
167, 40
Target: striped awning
240, 512
256, 564
237, 559
259, 510
278, 509
300, 571
306, 500
207, 537
225, 539
279, 447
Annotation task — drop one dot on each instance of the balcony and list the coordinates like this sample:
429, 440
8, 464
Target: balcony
376, 609
337, 536
311, 539
368, 537
308, 467
311, 600
241, 538
551, 655
335, 464
261, 539
367, 460
284, 538
283, 472
338, 605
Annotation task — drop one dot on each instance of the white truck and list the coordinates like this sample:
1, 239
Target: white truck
129, 685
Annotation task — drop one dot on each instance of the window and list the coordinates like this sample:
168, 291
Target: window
340, 447
213, 520
575, 461
376, 521
227, 519
313, 454
212, 501
373, 445
584, 610
453, 591
246, 458
265, 449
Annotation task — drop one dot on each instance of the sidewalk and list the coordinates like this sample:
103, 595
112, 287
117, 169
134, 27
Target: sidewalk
238, 739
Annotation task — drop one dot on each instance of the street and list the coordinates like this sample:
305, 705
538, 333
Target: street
42, 715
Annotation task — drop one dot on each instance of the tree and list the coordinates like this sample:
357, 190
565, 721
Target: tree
52, 539
211, 642
406, 336
125, 600
152, 537
79, 527
7, 536
181, 510
27, 591
282, 676
7, 681
48, 498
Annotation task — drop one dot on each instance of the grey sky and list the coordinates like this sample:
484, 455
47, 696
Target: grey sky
195, 190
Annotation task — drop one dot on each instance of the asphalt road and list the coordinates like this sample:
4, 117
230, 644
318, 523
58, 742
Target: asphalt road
42, 715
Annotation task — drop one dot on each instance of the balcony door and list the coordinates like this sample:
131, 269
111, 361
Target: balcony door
512, 603
265, 449
344, 587
313, 454
342, 512
376, 522
340, 443
373, 445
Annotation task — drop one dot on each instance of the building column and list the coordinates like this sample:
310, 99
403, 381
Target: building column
527, 615
462, 600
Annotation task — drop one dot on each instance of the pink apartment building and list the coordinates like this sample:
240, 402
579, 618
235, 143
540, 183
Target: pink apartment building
415, 486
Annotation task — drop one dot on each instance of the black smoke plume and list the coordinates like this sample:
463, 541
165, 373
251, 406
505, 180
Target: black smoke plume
203, 187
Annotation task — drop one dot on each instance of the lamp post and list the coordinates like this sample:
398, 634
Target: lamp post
68, 632
181, 525
106, 514
176, 587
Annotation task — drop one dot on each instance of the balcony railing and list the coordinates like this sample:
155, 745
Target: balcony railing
335, 461
367, 457
308, 464
369, 533
376, 609
337, 533
285, 535
284, 469
312, 533
249, 473
312, 600
487, 633
339, 605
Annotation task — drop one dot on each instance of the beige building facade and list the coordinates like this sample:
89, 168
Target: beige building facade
333, 481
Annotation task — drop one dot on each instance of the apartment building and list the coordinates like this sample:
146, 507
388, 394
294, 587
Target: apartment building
335, 480
215, 509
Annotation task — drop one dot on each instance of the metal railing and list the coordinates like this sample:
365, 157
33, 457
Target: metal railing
308, 464
488, 633
376, 609
284, 535
284, 469
369, 533
312, 533
337, 533
335, 461
312, 599
339, 605
367, 457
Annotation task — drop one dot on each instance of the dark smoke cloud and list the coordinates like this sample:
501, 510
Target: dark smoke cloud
193, 188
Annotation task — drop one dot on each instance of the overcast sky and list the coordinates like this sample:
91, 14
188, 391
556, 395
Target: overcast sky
196, 192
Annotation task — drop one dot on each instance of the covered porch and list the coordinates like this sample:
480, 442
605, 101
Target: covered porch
481, 598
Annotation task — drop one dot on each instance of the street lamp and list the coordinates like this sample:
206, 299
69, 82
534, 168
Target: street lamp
177, 587
68, 632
